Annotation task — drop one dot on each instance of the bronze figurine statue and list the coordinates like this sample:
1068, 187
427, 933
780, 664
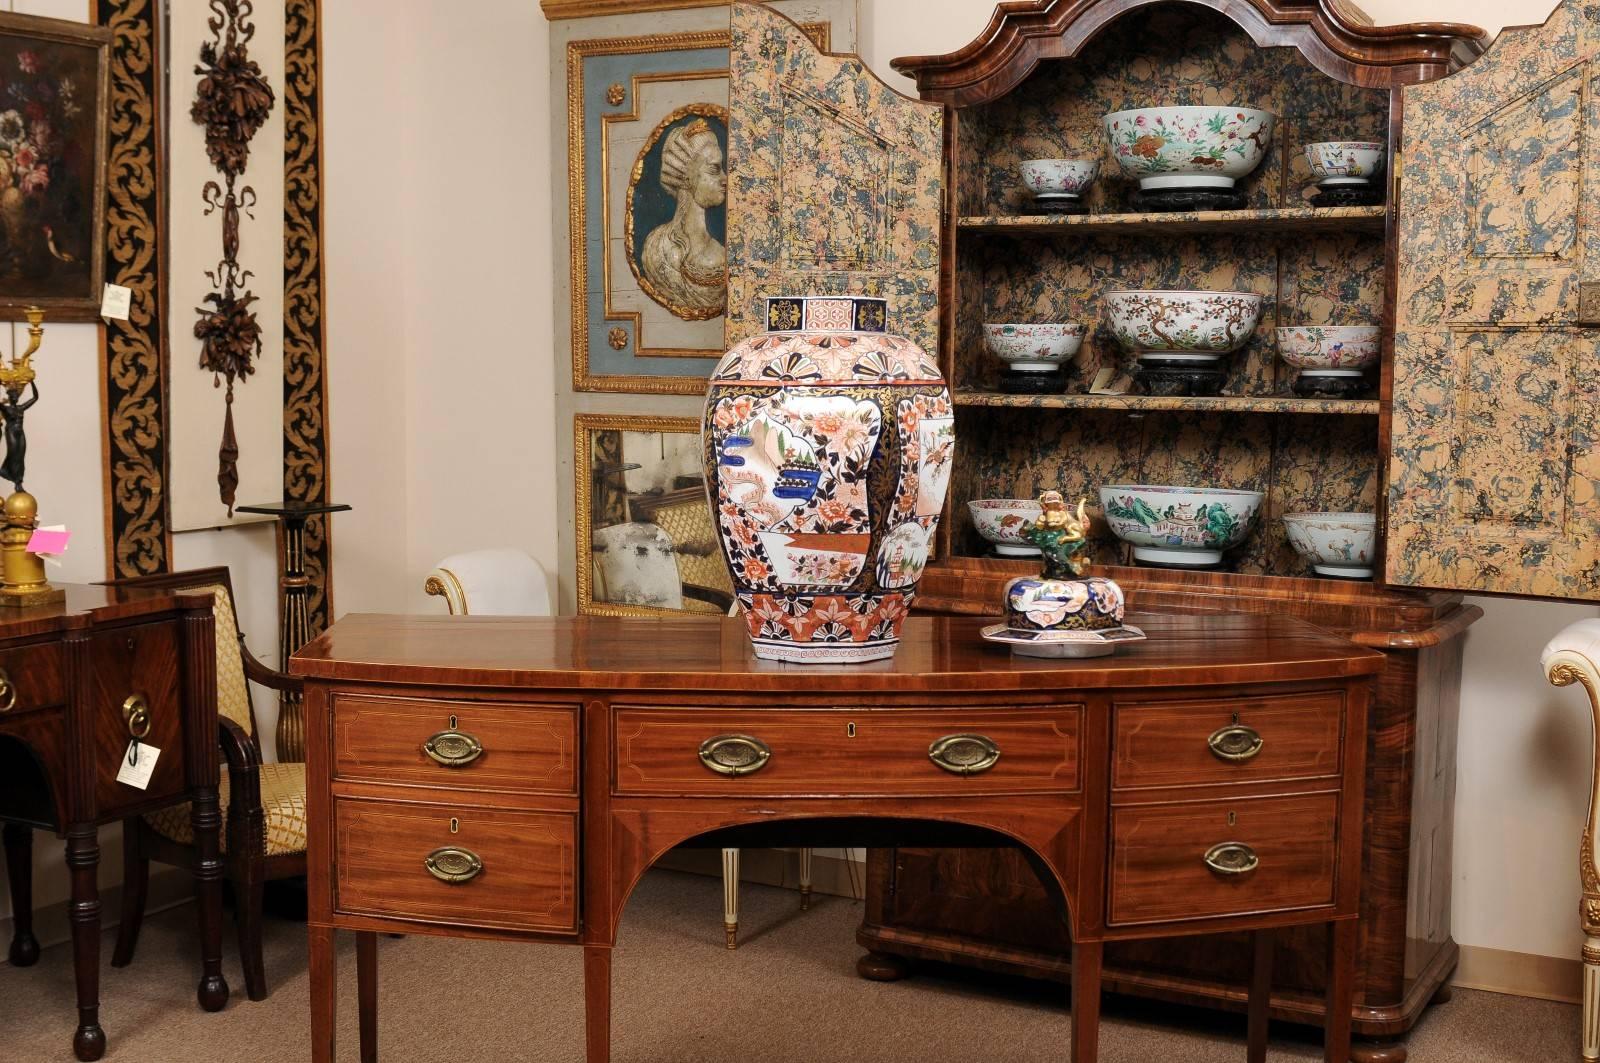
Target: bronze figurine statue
16, 439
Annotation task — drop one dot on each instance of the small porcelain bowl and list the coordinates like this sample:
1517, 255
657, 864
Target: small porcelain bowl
1345, 162
1059, 178
1336, 544
1330, 350
1000, 521
1197, 326
1187, 527
1034, 348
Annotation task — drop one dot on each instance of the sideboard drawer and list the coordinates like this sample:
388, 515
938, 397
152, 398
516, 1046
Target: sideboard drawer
498, 868
487, 745
31, 678
1160, 853
837, 751
1181, 743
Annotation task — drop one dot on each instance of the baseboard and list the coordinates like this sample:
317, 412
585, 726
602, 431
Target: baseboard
169, 888
832, 875
1519, 974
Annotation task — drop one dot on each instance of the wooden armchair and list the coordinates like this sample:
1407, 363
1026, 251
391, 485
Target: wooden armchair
264, 805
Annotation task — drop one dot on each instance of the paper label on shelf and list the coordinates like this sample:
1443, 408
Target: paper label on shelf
138, 764
117, 302
1109, 382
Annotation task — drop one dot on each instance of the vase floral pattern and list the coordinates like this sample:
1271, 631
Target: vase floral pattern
829, 448
1176, 147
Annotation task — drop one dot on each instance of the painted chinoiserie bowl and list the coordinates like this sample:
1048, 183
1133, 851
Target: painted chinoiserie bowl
1336, 544
1068, 179
1188, 147
1033, 348
828, 445
1002, 521
1330, 350
1195, 326
1186, 527
1061, 613
1335, 163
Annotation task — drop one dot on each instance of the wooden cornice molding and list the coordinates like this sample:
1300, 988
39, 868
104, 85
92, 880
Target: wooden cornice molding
1333, 35
560, 9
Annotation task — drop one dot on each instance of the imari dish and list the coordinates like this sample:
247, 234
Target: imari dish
1188, 147
1336, 544
1183, 326
1336, 163
1330, 350
1049, 179
1060, 644
1002, 521
828, 449
1188, 527
1033, 348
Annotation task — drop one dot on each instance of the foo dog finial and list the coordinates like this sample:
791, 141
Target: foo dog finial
1060, 535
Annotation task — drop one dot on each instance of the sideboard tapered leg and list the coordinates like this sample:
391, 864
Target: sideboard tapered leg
597, 1003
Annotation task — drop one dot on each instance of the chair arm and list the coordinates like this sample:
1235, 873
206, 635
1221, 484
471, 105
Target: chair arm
257, 672
247, 825
1574, 656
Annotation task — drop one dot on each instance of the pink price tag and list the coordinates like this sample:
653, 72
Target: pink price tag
48, 542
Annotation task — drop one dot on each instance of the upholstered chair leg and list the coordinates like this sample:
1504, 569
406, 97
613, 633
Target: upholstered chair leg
805, 879
135, 889
248, 898
730, 896
19, 871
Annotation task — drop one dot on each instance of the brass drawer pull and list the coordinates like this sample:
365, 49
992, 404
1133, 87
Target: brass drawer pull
453, 749
136, 714
964, 754
1232, 858
8, 692
734, 754
453, 865
1235, 743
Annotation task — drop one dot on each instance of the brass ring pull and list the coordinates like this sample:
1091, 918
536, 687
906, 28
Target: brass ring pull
136, 714
453, 749
1235, 743
8, 692
964, 754
453, 865
1232, 858
734, 755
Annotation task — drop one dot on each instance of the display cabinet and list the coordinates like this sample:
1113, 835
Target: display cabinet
1474, 443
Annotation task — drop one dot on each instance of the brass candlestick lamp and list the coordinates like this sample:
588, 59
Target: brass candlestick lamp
22, 579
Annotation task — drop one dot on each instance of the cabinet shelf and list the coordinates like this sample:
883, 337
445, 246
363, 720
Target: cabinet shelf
1284, 219
1140, 403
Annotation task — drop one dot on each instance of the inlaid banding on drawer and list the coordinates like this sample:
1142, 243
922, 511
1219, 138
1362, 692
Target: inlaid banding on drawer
494, 745
844, 752
1185, 743
1253, 855
496, 868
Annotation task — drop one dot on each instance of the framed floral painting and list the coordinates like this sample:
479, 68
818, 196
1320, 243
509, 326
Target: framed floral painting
53, 113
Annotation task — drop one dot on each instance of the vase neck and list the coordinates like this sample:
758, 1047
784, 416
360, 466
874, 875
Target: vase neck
827, 313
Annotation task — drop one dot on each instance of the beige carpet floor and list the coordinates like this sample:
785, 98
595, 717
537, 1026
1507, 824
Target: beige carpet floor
788, 995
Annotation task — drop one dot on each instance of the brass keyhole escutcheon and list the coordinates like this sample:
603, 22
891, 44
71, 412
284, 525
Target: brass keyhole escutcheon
136, 714
8, 692
455, 825
454, 725
1233, 819
850, 730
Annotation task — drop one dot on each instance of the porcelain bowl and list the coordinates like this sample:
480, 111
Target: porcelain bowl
1188, 147
1345, 162
1000, 521
1336, 544
1034, 348
1197, 326
1059, 178
1330, 350
1187, 527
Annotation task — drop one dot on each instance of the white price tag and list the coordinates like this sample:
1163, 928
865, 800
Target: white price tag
138, 764
117, 302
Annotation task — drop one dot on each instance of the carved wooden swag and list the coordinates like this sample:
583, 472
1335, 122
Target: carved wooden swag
232, 101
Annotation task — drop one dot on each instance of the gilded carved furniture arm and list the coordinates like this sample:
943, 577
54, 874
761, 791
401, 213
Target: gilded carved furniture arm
1571, 657
501, 582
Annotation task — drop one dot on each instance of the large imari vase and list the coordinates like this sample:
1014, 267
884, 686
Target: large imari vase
828, 452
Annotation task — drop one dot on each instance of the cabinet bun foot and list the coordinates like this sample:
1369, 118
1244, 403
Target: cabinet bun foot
881, 967
1378, 1052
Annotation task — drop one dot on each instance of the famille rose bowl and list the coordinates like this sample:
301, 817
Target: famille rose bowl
1187, 326
1188, 147
1033, 348
1345, 162
1001, 520
1059, 178
1187, 527
1336, 544
828, 447
1330, 350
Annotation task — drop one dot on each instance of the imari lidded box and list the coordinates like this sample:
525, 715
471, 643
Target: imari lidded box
828, 452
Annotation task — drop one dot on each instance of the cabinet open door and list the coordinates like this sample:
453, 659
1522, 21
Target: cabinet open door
835, 181
1494, 456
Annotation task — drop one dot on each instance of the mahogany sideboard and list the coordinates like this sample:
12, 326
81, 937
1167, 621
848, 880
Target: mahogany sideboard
77, 681
513, 778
